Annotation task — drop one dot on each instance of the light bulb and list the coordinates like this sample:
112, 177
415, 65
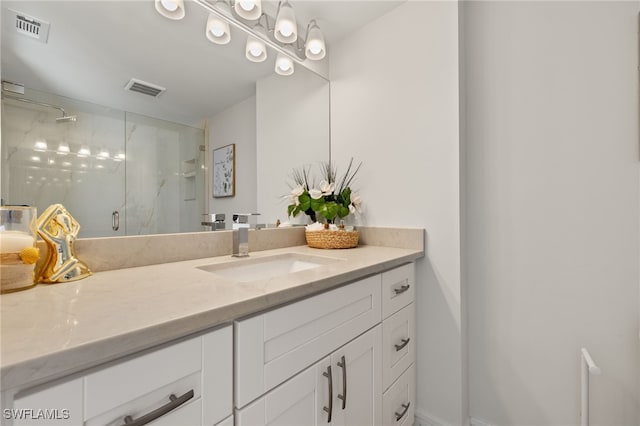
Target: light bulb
315, 47
172, 9
218, 30
170, 5
284, 65
286, 30
247, 5
256, 50
248, 9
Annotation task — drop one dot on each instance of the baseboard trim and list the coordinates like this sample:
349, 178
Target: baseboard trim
476, 422
425, 419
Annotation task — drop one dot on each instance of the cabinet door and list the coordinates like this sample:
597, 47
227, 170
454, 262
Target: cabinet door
274, 346
300, 401
357, 380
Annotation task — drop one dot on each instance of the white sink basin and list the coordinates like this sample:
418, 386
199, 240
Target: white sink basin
260, 268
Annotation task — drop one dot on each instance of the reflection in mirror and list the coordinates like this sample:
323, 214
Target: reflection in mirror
126, 173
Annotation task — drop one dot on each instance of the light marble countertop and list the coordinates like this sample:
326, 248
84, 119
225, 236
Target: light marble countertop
51, 331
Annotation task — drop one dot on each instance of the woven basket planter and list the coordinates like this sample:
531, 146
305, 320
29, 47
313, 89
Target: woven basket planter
326, 239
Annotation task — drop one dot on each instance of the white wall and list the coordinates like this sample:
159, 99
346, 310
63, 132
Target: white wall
394, 105
237, 125
293, 130
552, 209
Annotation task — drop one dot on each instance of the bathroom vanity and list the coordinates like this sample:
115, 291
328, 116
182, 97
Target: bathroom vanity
177, 344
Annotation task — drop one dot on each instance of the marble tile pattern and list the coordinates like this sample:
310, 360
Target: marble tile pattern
52, 331
141, 175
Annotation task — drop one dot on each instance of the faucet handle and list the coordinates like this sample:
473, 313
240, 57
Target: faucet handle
242, 217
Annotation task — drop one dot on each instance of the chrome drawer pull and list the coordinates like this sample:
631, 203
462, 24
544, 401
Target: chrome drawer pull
343, 364
401, 289
159, 412
404, 343
329, 409
401, 415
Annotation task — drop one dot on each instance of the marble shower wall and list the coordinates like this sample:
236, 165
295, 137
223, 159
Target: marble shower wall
143, 177
165, 177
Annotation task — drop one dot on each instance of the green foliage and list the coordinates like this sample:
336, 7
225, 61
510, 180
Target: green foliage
335, 201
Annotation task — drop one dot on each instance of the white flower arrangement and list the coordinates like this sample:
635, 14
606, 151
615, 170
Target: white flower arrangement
331, 199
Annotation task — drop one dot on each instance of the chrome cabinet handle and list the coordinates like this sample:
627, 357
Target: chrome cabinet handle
115, 220
174, 403
404, 411
343, 364
404, 343
401, 289
329, 409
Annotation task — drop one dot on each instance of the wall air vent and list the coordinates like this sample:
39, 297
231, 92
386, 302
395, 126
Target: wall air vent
30, 26
145, 88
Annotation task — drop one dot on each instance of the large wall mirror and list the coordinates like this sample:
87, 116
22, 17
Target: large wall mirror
126, 163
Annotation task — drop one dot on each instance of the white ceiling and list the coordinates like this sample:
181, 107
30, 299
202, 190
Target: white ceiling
95, 47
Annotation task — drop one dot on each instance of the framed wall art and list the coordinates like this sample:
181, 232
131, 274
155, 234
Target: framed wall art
224, 171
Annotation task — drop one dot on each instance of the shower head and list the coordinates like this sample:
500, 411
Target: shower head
66, 119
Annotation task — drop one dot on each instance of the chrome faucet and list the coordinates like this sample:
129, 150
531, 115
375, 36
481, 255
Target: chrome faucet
241, 234
241, 242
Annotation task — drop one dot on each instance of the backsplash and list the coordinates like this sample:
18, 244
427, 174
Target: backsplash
104, 254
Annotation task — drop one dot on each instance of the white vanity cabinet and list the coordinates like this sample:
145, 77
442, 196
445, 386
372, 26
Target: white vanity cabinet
344, 357
331, 358
398, 346
274, 346
186, 383
342, 389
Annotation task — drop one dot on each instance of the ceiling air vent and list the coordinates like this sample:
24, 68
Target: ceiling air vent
145, 88
30, 26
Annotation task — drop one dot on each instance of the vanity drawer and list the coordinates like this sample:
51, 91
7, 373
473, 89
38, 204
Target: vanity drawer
116, 385
63, 398
398, 402
398, 344
276, 345
197, 371
398, 286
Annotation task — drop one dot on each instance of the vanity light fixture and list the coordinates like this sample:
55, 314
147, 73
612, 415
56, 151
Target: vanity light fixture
248, 9
284, 65
286, 28
279, 33
63, 148
40, 145
315, 48
172, 9
256, 50
218, 30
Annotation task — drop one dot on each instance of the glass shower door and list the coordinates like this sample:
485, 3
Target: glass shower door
79, 164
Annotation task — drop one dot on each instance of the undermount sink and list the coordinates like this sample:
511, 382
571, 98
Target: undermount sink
260, 268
